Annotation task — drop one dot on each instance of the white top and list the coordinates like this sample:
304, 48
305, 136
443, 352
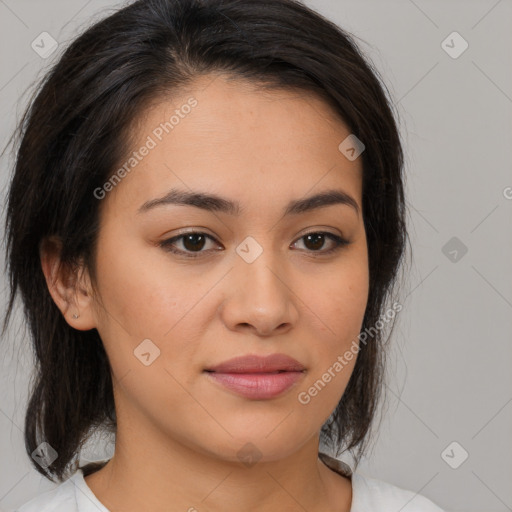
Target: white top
368, 495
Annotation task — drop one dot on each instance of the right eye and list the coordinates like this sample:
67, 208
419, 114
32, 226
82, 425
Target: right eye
192, 242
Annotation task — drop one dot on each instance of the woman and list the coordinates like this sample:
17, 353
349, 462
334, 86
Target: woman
205, 224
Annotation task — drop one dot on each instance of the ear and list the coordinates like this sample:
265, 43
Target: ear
70, 288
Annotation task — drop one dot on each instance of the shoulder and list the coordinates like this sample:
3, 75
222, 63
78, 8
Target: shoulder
370, 494
60, 499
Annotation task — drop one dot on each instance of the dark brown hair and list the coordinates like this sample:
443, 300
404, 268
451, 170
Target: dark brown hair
77, 128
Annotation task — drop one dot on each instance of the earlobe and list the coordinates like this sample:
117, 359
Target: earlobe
70, 292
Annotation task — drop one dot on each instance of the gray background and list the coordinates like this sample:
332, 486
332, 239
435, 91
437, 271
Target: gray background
449, 374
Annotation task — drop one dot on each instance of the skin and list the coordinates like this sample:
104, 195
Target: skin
178, 432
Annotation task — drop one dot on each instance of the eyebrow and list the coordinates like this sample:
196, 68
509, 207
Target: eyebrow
215, 203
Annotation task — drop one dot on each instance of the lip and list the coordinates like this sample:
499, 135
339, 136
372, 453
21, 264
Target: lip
258, 364
257, 377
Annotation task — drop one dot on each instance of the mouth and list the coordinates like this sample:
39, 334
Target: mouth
251, 363
256, 377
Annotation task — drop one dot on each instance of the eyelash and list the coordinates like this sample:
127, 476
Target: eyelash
167, 245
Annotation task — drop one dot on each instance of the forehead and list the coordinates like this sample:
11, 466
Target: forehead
231, 137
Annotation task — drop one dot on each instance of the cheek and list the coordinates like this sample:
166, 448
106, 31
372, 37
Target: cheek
340, 307
147, 297
142, 293
342, 299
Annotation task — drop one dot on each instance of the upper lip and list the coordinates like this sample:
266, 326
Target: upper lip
258, 364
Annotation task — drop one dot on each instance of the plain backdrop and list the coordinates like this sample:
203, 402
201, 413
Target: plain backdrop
449, 385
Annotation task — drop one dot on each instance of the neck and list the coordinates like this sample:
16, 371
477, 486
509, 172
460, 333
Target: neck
178, 478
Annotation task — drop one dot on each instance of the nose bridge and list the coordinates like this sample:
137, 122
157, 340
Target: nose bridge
260, 295
258, 265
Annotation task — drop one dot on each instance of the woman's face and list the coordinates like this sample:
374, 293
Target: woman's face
251, 282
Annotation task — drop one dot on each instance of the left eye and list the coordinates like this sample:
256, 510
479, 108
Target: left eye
317, 239
194, 242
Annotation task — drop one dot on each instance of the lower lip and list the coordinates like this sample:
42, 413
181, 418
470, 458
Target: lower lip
258, 386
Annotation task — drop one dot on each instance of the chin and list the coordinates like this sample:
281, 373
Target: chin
249, 449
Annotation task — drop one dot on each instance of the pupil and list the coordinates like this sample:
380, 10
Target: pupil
194, 241
318, 240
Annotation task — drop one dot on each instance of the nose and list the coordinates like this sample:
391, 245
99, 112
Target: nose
260, 297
